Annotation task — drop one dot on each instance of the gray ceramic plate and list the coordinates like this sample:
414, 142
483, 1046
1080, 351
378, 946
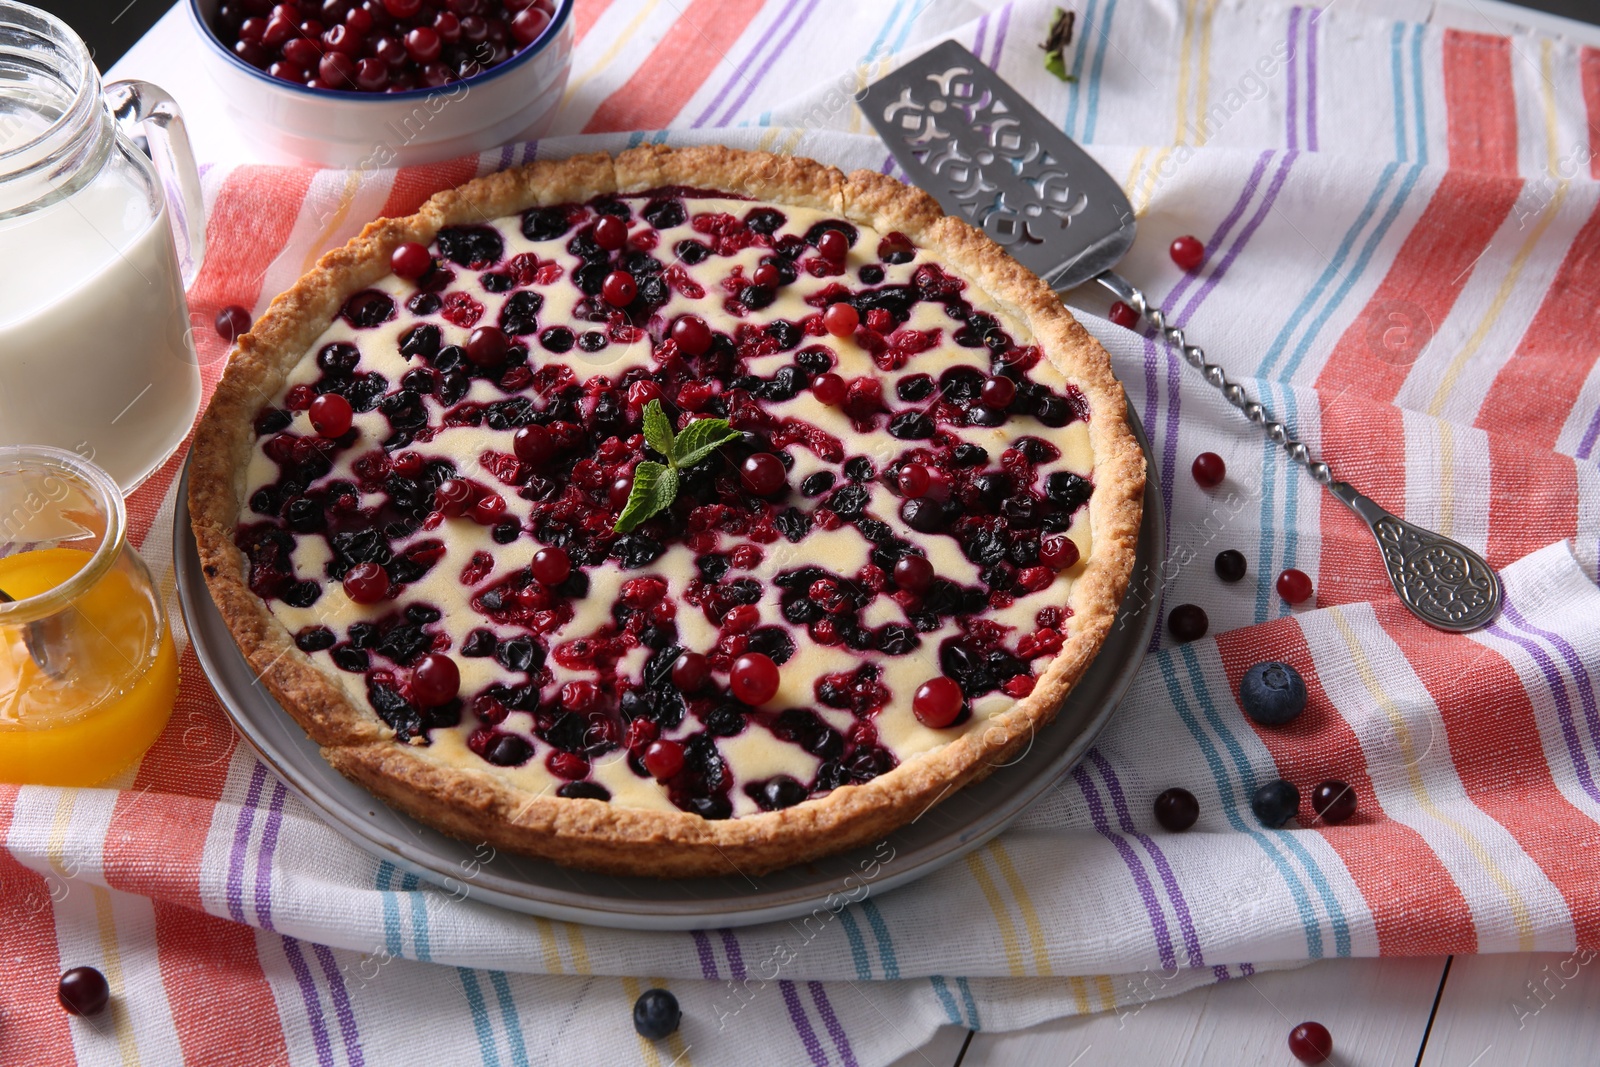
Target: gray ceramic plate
954, 827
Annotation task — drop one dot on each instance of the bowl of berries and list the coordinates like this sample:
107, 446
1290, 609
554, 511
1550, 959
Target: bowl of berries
387, 83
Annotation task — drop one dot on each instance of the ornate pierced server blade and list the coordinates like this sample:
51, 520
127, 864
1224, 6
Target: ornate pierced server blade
989, 157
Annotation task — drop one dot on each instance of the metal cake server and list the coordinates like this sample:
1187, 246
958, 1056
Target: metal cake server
987, 156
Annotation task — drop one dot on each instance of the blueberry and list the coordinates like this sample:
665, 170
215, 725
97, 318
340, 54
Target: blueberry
584, 791
1275, 803
1177, 810
656, 1014
777, 793
1272, 693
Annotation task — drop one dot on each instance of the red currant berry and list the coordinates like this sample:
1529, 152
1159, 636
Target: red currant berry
550, 565
619, 288
1058, 552
454, 496
534, 445
1187, 252
1294, 586
568, 765
741, 618
1187, 622
487, 346
663, 759
841, 320
762, 474
914, 481
833, 246
937, 703
528, 25
1334, 802
366, 583
690, 672
1209, 470
1310, 1043
619, 491
1124, 316
754, 679
998, 393
83, 991
610, 233
828, 389
488, 509
913, 573
411, 260
435, 680
692, 335
408, 463
767, 276
330, 415
402, 9
232, 323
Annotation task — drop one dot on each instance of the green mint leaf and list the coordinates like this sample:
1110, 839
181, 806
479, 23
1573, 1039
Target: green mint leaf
658, 428
699, 439
1055, 64
654, 487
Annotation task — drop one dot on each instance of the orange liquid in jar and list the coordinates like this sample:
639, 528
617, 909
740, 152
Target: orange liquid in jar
117, 694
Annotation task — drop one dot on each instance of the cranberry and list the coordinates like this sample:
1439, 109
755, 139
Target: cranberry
690, 672
1177, 810
741, 618
83, 991
359, 20
435, 680
828, 389
366, 583
754, 678
337, 70
1187, 622
1124, 316
528, 25
914, 573
841, 320
580, 696
402, 9
232, 323
447, 26
1209, 470
568, 765
488, 509
1333, 801
410, 260
998, 393
302, 52
641, 393
287, 72
1058, 552
1310, 1043
453, 497
423, 44
833, 246
551, 565
914, 481
619, 288
1294, 586
534, 444
299, 397
762, 474
663, 759
331, 415
620, 490
487, 346
1187, 252
691, 334
610, 233
767, 276
937, 703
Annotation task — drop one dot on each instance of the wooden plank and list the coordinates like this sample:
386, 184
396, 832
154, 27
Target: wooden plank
1512, 1010
1376, 1010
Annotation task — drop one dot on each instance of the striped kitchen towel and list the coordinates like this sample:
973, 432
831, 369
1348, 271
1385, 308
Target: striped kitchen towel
1402, 227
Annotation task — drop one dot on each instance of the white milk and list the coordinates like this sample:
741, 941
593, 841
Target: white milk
94, 349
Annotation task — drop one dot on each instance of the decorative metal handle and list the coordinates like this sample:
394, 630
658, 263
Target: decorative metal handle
1442, 582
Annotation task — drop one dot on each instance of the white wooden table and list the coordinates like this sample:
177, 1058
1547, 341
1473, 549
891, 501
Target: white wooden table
1468, 1011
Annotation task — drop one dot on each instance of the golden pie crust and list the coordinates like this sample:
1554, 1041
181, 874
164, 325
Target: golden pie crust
473, 804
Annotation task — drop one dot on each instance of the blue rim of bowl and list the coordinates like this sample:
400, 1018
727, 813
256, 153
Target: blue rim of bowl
361, 99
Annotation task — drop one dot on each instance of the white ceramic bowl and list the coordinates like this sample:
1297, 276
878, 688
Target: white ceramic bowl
514, 101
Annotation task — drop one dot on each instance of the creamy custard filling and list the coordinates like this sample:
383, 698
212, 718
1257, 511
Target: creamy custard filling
562, 689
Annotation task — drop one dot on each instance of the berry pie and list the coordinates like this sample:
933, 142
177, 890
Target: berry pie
678, 513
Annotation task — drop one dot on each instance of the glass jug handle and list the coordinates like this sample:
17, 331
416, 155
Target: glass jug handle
136, 103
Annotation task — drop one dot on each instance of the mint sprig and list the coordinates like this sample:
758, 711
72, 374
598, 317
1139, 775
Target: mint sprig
655, 485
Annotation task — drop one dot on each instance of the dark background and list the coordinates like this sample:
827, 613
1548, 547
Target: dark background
111, 26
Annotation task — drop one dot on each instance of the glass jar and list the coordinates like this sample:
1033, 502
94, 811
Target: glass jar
88, 671
96, 354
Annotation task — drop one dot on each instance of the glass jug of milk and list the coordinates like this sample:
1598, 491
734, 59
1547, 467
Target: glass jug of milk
96, 355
